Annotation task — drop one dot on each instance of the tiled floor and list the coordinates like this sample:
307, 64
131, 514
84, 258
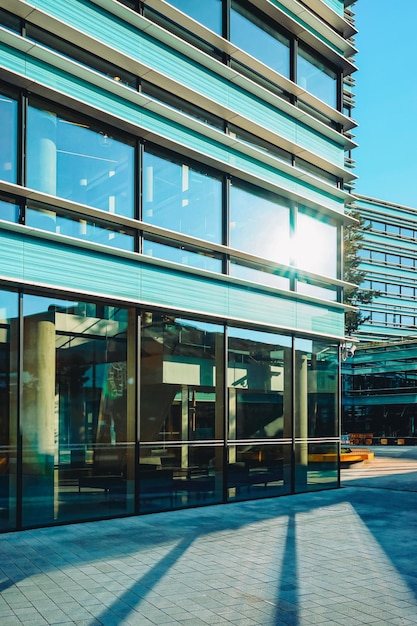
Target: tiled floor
347, 557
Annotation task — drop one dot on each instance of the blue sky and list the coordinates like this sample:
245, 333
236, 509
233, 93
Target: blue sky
386, 100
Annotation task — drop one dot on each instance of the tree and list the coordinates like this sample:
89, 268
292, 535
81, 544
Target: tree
355, 295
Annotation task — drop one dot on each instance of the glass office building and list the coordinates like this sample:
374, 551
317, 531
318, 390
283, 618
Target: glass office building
173, 177
380, 381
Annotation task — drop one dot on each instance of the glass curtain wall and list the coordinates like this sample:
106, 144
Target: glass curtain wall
259, 381
181, 413
316, 414
77, 411
9, 392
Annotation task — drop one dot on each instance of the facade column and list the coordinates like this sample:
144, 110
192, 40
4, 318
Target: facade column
39, 423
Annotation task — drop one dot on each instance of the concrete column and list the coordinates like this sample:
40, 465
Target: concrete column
39, 419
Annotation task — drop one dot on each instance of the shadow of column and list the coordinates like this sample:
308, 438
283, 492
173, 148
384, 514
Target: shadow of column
287, 603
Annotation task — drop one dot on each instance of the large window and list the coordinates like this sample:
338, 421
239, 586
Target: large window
8, 138
69, 157
316, 77
262, 40
181, 197
259, 223
181, 412
315, 414
208, 12
46, 218
77, 411
316, 247
260, 407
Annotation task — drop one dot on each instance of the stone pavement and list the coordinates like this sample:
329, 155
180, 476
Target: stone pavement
346, 556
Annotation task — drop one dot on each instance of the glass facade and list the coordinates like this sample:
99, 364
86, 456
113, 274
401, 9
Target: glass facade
170, 292
77, 412
215, 418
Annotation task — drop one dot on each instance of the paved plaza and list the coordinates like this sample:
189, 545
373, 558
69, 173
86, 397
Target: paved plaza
347, 556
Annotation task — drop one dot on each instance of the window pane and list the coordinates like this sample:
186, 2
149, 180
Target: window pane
259, 383
78, 412
314, 76
258, 471
8, 138
259, 223
316, 245
208, 13
50, 220
258, 276
181, 255
181, 406
316, 466
177, 476
9, 211
316, 292
316, 389
8, 408
180, 198
69, 158
259, 38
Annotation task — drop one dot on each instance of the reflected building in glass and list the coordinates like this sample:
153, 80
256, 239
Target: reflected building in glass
172, 193
379, 382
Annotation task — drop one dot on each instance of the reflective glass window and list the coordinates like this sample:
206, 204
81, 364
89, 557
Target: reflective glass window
258, 276
315, 76
256, 35
259, 397
393, 288
405, 260
258, 471
376, 316
181, 400
182, 255
9, 210
176, 476
259, 223
208, 13
316, 466
8, 407
315, 411
407, 291
392, 229
316, 292
78, 227
315, 247
316, 388
378, 256
259, 384
71, 158
409, 233
78, 411
393, 258
378, 226
181, 198
8, 138
408, 320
